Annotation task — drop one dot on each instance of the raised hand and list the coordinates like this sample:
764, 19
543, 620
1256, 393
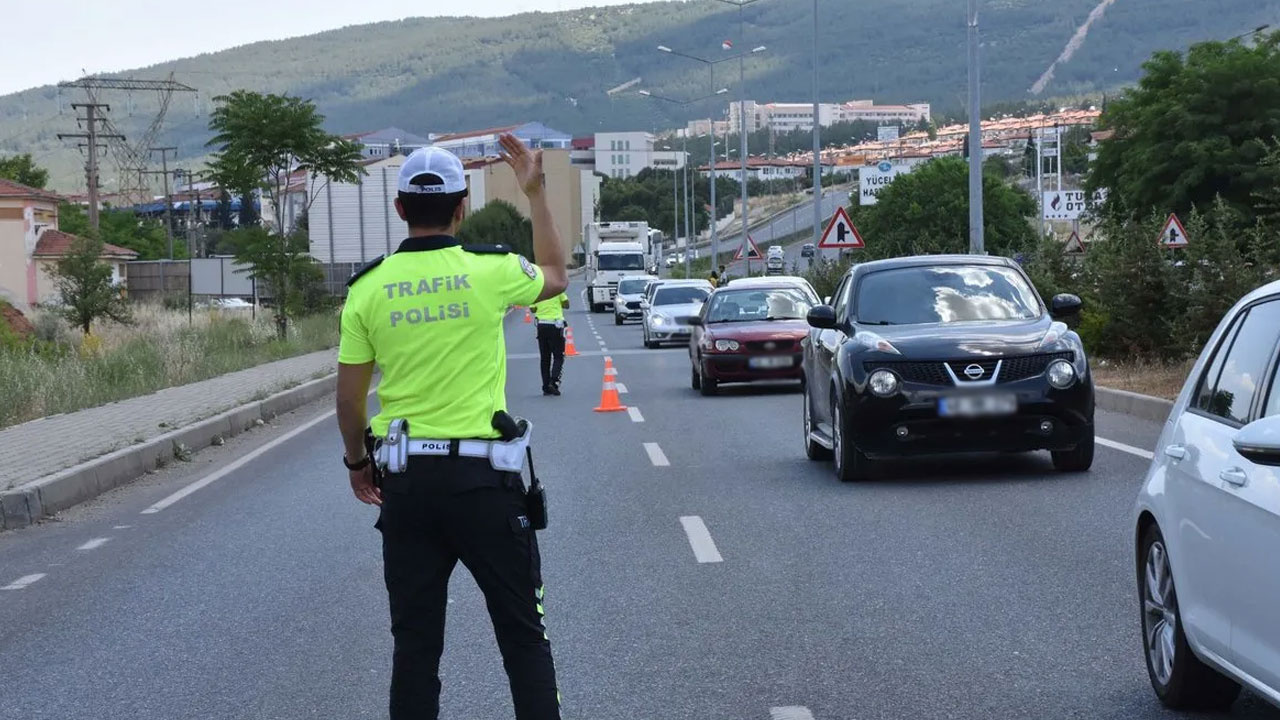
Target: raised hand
526, 164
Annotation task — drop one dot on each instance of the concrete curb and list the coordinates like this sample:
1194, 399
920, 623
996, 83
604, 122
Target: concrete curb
41, 498
1141, 406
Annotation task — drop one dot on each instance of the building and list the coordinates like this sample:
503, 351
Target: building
388, 141
31, 244
788, 117
766, 169
625, 154
704, 127
484, 143
356, 222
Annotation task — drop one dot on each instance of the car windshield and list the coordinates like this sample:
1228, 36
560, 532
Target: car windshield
679, 295
621, 262
632, 287
755, 305
944, 294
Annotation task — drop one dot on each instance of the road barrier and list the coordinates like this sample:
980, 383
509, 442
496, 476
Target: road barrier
609, 400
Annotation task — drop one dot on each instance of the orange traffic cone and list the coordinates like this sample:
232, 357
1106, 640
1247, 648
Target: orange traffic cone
609, 401
528, 317
569, 349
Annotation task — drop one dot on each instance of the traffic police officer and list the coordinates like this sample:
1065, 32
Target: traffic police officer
551, 324
430, 316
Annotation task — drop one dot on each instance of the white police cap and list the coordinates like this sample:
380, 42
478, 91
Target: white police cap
432, 171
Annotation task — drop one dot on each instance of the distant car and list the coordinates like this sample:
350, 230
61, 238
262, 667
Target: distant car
231, 303
626, 305
808, 250
944, 353
750, 331
671, 261
775, 251
1207, 521
667, 313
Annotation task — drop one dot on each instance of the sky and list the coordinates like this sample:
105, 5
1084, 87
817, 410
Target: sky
65, 39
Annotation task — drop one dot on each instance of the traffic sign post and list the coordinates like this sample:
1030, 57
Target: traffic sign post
841, 233
752, 254
1074, 246
1173, 235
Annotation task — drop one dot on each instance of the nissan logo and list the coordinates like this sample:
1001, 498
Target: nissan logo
973, 372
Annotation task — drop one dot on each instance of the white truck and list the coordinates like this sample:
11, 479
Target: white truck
614, 249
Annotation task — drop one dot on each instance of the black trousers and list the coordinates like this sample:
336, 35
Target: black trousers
442, 510
551, 347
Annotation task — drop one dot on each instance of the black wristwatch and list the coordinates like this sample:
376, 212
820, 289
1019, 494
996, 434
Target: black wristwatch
358, 465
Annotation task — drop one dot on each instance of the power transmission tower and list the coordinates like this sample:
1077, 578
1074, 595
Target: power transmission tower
91, 136
132, 159
168, 204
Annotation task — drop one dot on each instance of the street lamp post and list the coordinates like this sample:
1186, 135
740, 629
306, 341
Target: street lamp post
742, 120
722, 91
976, 243
1256, 31
711, 63
817, 144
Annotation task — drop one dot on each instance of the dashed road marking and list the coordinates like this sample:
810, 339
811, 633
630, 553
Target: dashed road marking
121, 527
94, 544
656, 456
622, 389
704, 548
790, 712
634, 412
1145, 454
23, 581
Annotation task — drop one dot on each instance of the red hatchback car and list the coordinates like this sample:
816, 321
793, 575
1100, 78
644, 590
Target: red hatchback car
749, 333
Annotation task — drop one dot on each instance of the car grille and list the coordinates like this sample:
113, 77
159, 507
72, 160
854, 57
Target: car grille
1012, 369
773, 345
633, 305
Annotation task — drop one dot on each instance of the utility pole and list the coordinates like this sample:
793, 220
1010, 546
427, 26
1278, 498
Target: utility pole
977, 245
91, 137
168, 204
817, 143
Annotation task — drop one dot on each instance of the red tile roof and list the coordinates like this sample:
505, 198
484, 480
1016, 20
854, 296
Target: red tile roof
584, 143
55, 243
478, 133
9, 188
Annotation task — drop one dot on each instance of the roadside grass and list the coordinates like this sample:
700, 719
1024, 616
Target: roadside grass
62, 371
1162, 379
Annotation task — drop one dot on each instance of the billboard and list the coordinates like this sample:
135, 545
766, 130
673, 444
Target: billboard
874, 178
1070, 204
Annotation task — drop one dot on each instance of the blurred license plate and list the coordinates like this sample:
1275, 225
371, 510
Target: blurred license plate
978, 405
770, 363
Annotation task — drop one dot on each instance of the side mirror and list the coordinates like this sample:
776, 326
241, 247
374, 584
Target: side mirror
644, 304
1259, 441
1064, 304
822, 317
693, 320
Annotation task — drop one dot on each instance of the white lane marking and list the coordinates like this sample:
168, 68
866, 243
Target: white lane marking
634, 412
704, 548
603, 348
1146, 454
121, 527
94, 544
622, 389
790, 712
23, 581
656, 456
236, 465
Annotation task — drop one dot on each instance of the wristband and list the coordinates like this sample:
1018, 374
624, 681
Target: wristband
358, 465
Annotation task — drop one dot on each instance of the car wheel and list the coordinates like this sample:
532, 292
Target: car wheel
1079, 459
708, 386
1180, 679
597, 307
617, 319
812, 449
695, 380
850, 464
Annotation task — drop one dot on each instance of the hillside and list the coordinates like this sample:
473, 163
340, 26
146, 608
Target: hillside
448, 74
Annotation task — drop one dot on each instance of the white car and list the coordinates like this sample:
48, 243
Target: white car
626, 304
667, 311
1207, 521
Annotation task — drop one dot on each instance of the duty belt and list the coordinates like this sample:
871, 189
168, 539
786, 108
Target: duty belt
466, 448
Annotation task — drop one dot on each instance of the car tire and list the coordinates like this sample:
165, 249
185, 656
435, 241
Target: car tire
597, 307
1182, 682
850, 464
1078, 460
812, 450
617, 319
695, 380
708, 386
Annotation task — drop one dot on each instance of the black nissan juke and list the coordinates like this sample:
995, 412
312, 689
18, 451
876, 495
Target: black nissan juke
943, 354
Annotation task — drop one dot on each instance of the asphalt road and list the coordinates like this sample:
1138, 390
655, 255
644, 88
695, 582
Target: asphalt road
698, 567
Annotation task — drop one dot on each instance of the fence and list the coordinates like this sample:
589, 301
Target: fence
151, 280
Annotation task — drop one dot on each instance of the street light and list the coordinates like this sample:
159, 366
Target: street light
1256, 31
688, 201
711, 64
976, 241
742, 118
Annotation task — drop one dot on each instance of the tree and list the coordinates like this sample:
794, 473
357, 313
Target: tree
927, 211
261, 141
498, 222
84, 282
119, 227
22, 169
223, 218
1196, 127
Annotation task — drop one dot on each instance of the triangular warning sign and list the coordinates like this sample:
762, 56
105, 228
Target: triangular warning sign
753, 254
1074, 246
1173, 235
841, 233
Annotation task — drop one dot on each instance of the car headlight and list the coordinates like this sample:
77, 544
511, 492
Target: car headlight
873, 341
1061, 374
883, 383
658, 320
1055, 333
727, 345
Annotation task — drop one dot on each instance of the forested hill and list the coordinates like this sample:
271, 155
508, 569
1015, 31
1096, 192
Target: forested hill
448, 74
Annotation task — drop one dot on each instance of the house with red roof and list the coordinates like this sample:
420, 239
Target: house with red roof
31, 245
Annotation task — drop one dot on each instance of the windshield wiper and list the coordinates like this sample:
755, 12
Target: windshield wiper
783, 317
876, 322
